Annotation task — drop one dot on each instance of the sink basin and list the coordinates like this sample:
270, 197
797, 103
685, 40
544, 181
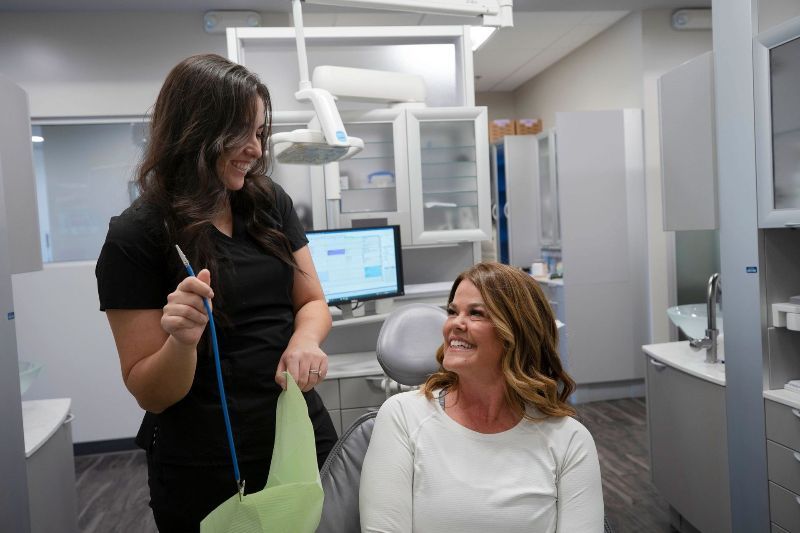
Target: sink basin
27, 373
692, 319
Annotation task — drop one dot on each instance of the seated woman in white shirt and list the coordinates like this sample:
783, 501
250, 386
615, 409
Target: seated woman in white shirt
489, 442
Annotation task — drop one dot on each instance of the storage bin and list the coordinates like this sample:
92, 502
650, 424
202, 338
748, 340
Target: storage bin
528, 126
499, 128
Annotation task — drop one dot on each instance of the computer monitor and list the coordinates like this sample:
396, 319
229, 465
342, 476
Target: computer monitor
358, 264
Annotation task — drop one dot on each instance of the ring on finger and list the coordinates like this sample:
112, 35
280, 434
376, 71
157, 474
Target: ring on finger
312, 371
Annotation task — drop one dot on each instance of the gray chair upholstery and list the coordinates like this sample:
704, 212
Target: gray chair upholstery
408, 341
341, 477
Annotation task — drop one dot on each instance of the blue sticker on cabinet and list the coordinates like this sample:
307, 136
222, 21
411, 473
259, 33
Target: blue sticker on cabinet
751, 269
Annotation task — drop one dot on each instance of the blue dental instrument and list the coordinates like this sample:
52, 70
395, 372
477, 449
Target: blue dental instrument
215, 347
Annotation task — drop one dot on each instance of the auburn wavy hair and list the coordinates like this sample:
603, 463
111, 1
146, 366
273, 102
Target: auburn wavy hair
526, 327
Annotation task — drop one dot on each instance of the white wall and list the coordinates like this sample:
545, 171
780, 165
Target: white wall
773, 12
604, 73
59, 325
499, 104
100, 64
619, 68
662, 49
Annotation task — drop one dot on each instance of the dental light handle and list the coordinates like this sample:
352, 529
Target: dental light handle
299, 37
329, 119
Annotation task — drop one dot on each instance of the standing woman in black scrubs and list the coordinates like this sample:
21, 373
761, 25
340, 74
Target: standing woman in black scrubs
204, 186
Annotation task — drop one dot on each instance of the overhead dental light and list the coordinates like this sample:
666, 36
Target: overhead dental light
314, 147
330, 143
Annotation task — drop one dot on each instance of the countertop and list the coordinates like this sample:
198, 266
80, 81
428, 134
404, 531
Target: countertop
352, 365
786, 397
558, 282
681, 357
41, 419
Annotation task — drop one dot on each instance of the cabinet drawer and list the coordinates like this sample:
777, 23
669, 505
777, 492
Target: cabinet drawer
328, 390
783, 465
365, 391
783, 424
777, 529
350, 415
784, 508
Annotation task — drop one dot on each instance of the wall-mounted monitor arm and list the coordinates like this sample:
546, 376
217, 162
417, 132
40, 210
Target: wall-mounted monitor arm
492, 12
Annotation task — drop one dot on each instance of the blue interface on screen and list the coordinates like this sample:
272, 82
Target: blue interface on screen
358, 263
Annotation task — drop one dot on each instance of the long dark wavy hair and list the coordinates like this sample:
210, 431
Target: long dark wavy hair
527, 330
206, 107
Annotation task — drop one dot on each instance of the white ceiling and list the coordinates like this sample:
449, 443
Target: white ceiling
544, 30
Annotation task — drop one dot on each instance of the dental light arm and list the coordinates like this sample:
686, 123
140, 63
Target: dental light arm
493, 12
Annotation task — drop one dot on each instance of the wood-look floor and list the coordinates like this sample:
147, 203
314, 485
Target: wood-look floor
113, 494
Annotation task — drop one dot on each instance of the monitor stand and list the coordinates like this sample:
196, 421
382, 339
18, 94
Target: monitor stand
347, 309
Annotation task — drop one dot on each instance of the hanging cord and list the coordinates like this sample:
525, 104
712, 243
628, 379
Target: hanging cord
215, 347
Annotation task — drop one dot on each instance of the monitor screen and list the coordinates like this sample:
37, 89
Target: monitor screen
358, 263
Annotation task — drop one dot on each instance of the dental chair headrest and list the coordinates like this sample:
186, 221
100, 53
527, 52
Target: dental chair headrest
408, 341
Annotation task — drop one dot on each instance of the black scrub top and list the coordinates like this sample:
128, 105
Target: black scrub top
136, 271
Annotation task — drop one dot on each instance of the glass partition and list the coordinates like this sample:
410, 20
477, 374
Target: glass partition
83, 174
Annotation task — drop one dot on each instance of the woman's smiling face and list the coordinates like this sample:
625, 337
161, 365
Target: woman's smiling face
234, 164
471, 343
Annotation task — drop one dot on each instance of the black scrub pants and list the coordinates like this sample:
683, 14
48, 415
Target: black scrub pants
181, 496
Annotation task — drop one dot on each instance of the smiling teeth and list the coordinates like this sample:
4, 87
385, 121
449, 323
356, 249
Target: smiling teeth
239, 166
459, 344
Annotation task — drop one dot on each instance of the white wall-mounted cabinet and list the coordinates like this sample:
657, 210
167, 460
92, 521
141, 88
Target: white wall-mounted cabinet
688, 146
422, 168
515, 199
777, 74
373, 185
550, 223
449, 175
603, 242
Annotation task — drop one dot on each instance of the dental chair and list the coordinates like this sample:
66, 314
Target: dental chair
406, 346
406, 350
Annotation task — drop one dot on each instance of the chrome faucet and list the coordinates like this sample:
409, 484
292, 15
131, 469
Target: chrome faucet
709, 342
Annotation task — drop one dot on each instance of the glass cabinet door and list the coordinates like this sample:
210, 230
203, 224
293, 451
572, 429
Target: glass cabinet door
448, 156
548, 190
373, 185
303, 183
778, 126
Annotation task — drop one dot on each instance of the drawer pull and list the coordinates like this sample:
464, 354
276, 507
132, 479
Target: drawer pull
796, 412
797, 499
71, 417
662, 366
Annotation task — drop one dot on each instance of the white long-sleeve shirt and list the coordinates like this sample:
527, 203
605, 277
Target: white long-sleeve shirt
425, 472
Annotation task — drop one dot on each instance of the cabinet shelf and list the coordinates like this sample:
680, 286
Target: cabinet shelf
368, 188
454, 147
369, 158
439, 163
450, 178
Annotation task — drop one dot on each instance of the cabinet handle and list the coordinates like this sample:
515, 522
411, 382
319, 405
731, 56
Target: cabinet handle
494, 211
796, 456
792, 225
797, 499
796, 412
69, 419
659, 366
375, 379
